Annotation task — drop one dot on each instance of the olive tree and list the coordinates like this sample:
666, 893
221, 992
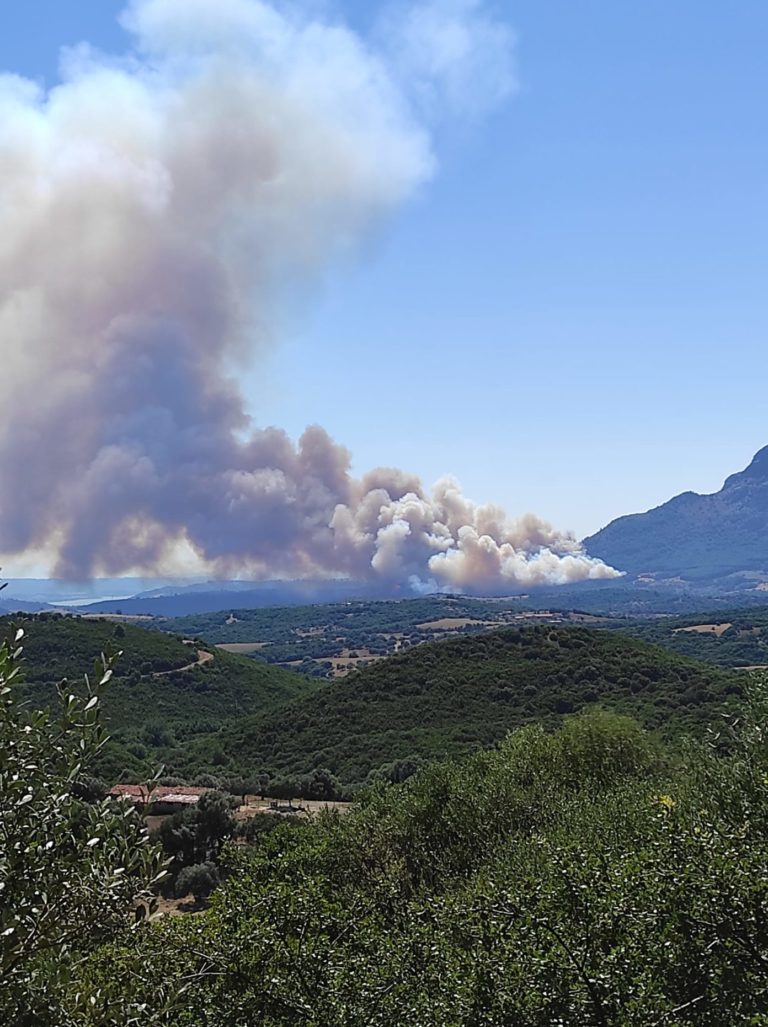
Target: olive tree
73, 871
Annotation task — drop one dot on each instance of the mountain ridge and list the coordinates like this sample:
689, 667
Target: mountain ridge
695, 536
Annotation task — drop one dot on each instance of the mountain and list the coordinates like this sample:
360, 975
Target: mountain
452, 697
696, 537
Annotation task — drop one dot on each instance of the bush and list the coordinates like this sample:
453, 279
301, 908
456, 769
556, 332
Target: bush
198, 880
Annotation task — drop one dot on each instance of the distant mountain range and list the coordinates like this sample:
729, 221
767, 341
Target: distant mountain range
694, 537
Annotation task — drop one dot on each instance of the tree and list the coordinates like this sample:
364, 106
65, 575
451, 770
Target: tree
73, 866
323, 785
179, 839
215, 822
198, 880
91, 789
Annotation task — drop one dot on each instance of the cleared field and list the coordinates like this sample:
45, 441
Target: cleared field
244, 648
706, 629
451, 623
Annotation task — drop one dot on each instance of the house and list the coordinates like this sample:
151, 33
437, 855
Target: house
175, 797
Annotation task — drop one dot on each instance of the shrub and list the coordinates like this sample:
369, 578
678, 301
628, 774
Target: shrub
198, 880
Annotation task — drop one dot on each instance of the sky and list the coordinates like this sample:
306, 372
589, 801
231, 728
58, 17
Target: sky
570, 316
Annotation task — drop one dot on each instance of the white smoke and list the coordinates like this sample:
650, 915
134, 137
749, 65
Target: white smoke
154, 212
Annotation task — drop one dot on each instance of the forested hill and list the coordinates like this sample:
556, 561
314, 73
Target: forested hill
164, 694
451, 697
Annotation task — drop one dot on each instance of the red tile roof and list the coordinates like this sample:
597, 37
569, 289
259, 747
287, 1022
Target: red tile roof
167, 793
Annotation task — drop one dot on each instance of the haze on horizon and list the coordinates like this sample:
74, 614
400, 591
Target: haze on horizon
437, 337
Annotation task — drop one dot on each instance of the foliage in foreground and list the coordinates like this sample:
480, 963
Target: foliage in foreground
71, 871
574, 878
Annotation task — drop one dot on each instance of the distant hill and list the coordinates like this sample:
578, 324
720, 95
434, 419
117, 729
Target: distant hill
332, 638
164, 695
625, 596
448, 698
175, 601
693, 536
727, 638
8, 606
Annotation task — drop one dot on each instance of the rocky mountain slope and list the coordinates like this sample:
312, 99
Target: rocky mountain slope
694, 536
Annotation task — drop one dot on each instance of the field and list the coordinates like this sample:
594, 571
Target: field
706, 629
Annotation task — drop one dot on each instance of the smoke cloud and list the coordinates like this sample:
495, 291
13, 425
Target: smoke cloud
155, 210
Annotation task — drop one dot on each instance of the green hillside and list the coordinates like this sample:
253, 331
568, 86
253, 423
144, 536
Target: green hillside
330, 639
233, 716
583, 877
452, 697
153, 705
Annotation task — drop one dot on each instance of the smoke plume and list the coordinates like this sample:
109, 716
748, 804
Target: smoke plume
155, 211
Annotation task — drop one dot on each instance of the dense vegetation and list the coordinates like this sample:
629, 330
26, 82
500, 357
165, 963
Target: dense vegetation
353, 620
150, 708
578, 878
309, 637
449, 698
61, 647
236, 718
313, 635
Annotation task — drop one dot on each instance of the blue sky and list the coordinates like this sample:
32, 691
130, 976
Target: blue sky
571, 316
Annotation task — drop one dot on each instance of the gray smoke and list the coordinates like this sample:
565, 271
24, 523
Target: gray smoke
155, 211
